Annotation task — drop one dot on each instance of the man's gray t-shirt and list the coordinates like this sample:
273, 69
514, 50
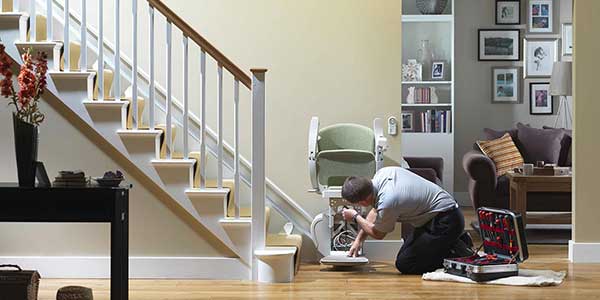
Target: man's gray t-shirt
403, 196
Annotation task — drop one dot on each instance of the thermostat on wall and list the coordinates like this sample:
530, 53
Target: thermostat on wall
392, 126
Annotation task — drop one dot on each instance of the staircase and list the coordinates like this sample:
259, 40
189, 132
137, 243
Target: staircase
142, 122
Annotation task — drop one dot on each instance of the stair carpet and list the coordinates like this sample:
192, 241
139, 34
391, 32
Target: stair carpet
272, 240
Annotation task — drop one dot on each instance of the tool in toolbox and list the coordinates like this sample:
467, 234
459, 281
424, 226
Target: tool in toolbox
504, 244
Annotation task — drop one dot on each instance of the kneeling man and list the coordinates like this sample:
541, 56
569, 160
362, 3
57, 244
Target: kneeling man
398, 195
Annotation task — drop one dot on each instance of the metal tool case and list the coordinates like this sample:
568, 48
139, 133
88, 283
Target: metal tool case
504, 244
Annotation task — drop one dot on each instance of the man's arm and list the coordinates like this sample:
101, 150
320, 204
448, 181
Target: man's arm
362, 235
367, 226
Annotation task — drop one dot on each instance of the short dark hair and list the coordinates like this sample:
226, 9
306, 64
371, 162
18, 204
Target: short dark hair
356, 189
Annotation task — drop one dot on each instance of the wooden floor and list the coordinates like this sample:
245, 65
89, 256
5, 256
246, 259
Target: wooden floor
377, 281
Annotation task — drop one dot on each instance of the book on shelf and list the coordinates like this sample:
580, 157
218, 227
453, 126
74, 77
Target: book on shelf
421, 95
434, 121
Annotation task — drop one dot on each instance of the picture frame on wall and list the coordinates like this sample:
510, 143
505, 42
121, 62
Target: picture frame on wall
567, 39
540, 55
508, 12
437, 70
540, 16
408, 121
499, 44
506, 85
540, 100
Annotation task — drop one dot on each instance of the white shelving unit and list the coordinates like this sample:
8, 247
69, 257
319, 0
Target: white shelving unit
439, 30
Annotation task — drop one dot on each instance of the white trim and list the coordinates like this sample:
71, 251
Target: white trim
141, 267
382, 250
584, 252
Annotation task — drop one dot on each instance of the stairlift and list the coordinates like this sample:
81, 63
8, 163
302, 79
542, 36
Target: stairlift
334, 153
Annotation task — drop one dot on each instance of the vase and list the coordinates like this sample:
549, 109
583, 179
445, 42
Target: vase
431, 7
426, 56
26, 148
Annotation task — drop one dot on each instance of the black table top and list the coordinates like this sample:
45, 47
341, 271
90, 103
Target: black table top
14, 185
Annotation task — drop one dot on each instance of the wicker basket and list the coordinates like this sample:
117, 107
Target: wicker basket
18, 284
431, 7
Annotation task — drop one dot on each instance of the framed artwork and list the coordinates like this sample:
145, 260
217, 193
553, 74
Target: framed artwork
499, 44
412, 71
408, 122
506, 85
540, 100
540, 55
437, 70
508, 12
567, 39
540, 16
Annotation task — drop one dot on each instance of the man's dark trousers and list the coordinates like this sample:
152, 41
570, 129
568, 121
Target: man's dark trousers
425, 249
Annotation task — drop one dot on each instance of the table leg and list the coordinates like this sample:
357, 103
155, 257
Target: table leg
119, 248
518, 200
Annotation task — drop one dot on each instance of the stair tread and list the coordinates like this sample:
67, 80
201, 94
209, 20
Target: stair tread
276, 251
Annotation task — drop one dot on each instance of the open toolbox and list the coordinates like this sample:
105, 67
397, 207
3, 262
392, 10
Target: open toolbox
504, 244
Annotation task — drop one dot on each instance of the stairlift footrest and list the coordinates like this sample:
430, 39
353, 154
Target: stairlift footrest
342, 259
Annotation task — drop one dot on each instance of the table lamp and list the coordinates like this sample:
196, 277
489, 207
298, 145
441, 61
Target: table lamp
561, 85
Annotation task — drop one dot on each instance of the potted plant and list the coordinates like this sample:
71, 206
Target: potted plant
26, 116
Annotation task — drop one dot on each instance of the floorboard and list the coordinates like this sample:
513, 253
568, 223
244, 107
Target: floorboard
376, 281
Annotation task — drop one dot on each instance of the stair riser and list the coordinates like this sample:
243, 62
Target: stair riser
240, 235
75, 88
10, 30
142, 148
110, 116
51, 50
175, 177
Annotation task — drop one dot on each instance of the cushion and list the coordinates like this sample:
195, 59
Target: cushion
566, 143
540, 144
503, 153
492, 134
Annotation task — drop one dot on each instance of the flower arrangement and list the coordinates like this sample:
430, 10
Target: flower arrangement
32, 82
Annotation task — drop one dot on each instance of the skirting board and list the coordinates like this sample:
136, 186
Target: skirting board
139, 267
584, 252
382, 250
463, 198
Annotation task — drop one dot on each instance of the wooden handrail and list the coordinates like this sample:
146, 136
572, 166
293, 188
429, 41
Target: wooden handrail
202, 42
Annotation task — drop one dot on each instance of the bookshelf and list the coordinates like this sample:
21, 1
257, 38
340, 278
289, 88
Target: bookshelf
439, 30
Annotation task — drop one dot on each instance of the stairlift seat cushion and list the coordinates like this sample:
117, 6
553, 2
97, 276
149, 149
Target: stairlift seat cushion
335, 165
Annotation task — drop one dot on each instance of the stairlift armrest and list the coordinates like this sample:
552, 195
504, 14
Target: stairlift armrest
313, 137
381, 144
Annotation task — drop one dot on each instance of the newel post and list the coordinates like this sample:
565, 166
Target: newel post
258, 229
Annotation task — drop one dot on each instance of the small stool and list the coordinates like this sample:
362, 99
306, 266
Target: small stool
74, 293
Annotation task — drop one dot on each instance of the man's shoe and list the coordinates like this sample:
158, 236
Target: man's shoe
460, 249
466, 238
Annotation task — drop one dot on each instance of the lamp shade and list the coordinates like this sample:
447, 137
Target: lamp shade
561, 82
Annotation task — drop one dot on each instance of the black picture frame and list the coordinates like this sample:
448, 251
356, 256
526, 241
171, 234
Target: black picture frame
498, 2
518, 40
532, 100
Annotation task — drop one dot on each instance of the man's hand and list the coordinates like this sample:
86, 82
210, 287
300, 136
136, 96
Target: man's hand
348, 214
355, 249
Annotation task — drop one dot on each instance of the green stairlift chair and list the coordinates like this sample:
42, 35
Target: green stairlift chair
334, 153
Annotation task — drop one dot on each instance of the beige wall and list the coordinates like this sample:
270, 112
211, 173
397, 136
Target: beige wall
587, 107
336, 59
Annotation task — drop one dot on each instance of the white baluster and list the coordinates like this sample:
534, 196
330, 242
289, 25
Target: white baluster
258, 228
117, 75
100, 50
83, 63
203, 118
32, 22
151, 93
236, 139
169, 90
66, 39
220, 126
134, 67
16, 5
185, 98
49, 21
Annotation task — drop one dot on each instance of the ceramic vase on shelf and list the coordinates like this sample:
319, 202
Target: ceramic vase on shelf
26, 148
431, 7
425, 57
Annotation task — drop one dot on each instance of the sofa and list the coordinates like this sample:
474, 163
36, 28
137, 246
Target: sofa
535, 144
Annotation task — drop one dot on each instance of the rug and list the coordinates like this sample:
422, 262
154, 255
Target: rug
525, 278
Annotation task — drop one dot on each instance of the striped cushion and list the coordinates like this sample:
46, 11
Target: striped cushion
503, 152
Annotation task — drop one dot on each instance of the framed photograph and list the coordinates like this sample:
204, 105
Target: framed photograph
508, 12
408, 122
506, 85
499, 44
567, 39
437, 70
540, 100
540, 55
540, 16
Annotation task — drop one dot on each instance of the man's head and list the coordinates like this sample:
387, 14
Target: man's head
358, 190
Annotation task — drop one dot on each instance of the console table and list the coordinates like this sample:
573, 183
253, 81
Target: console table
90, 204
521, 184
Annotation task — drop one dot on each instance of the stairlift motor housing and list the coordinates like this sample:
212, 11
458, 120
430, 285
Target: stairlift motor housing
331, 234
